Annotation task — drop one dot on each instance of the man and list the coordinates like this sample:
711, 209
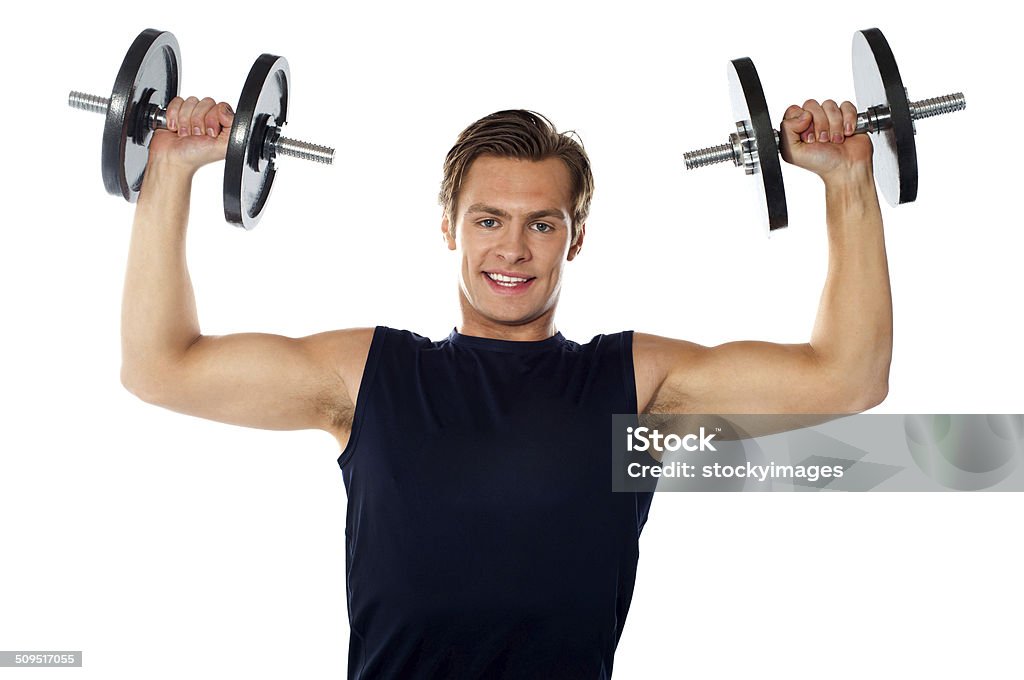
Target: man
483, 538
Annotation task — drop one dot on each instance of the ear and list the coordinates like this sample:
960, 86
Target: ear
575, 248
449, 232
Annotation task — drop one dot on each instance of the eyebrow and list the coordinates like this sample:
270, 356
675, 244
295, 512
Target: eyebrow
536, 214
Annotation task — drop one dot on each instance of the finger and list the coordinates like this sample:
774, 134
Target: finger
173, 107
835, 121
212, 121
199, 114
820, 121
794, 121
185, 116
849, 117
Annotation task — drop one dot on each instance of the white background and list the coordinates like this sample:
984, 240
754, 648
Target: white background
165, 546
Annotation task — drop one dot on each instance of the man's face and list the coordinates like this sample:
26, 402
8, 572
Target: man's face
513, 222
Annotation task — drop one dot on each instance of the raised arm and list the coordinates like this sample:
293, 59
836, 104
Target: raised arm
845, 366
252, 379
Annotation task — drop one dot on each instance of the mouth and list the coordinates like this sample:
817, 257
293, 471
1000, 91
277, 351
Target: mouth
508, 283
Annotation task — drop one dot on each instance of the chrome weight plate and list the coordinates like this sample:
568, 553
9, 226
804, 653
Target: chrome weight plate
249, 164
877, 82
748, 104
149, 75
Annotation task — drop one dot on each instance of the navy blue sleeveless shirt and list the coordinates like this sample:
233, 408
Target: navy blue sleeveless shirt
483, 538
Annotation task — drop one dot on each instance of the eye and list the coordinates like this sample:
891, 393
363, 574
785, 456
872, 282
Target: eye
547, 228
488, 222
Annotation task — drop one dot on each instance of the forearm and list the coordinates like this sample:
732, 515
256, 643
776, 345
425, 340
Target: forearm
852, 336
158, 312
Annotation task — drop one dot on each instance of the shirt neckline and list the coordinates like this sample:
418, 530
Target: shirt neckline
514, 346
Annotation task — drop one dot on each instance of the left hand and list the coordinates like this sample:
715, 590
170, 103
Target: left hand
819, 138
197, 133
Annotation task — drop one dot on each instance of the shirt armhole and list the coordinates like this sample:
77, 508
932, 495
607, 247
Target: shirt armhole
628, 372
629, 376
362, 397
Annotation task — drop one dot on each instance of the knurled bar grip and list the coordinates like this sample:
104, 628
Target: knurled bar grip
157, 117
874, 119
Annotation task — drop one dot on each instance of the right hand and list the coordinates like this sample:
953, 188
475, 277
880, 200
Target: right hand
197, 133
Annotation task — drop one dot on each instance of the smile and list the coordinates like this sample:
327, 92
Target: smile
512, 284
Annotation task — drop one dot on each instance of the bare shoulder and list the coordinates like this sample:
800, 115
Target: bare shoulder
345, 350
343, 353
654, 358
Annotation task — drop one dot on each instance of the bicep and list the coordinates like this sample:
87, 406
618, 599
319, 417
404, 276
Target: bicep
739, 377
266, 381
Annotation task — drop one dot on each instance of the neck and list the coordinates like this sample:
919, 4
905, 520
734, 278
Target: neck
473, 323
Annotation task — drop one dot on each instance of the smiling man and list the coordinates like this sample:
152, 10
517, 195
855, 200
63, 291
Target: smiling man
483, 537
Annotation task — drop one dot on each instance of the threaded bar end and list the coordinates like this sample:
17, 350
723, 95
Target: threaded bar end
937, 106
285, 146
709, 156
88, 102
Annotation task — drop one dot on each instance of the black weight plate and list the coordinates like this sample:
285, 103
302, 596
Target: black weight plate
248, 175
748, 104
877, 82
149, 74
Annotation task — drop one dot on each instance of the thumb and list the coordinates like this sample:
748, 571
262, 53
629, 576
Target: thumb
225, 114
795, 122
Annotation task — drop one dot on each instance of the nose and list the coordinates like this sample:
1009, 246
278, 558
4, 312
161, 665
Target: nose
513, 247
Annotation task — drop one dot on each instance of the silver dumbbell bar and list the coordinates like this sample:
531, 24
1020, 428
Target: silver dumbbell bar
739, 147
157, 119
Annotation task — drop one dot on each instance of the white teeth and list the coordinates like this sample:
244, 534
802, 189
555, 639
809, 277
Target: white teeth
507, 281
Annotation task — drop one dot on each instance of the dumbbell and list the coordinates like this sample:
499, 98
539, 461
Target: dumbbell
148, 80
886, 112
